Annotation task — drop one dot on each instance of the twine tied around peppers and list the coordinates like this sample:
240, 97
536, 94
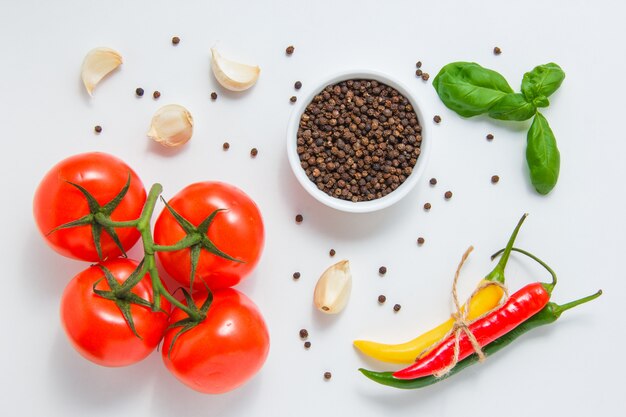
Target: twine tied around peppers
460, 316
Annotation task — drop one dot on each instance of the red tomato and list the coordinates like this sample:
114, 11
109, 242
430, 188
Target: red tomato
96, 327
223, 351
237, 231
56, 202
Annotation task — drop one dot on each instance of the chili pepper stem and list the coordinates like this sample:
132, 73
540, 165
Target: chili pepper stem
549, 287
559, 309
497, 274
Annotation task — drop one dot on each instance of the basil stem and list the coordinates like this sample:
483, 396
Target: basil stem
542, 155
542, 81
512, 107
469, 89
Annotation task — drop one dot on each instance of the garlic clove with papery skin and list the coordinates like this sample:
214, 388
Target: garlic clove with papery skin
172, 125
98, 63
332, 290
233, 75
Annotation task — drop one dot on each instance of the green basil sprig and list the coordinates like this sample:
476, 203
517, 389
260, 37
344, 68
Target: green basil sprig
470, 90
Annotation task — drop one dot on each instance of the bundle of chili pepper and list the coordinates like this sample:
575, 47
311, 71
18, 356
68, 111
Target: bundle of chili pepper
486, 298
549, 314
520, 306
526, 309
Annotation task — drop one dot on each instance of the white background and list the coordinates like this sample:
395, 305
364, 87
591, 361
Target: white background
574, 366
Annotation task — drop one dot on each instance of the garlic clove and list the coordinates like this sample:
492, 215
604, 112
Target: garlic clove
97, 64
233, 75
332, 290
172, 125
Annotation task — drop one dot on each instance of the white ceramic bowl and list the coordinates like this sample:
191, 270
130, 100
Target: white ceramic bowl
337, 203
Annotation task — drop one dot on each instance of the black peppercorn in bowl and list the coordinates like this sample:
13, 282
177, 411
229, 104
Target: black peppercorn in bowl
357, 141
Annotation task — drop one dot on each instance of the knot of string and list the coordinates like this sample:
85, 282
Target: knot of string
461, 317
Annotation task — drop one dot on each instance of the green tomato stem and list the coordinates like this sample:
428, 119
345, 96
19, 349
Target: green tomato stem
184, 243
149, 263
160, 290
104, 221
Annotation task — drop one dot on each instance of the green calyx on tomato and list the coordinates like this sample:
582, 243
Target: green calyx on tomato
99, 217
121, 295
197, 239
190, 322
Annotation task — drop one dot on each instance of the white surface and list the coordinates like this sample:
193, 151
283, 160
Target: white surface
346, 205
573, 367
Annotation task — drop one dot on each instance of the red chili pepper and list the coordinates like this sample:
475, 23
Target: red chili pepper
518, 308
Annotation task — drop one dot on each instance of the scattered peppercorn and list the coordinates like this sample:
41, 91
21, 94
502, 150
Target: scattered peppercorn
226, 146
382, 299
98, 129
358, 140
382, 270
397, 307
293, 99
497, 50
448, 195
433, 181
307, 345
418, 72
427, 206
332, 252
296, 275
139, 92
156, 94
490, 137
304, 333
297, 85
425, 76
213, 95
495, 179
327, 375
418, 64
254, 152
289, 50
437, 119
175, 40
420, 241
299, 218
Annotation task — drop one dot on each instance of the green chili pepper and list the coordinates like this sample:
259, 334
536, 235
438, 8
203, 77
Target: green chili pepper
549, 314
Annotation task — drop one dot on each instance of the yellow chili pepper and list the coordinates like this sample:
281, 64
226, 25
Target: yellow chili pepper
485, 300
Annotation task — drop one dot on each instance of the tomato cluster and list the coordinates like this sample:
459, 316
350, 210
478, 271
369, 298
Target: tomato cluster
93, 207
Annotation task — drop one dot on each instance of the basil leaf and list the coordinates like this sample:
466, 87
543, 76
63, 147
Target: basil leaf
469, 89
512, 107
543, 80
542, 155
541, 101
